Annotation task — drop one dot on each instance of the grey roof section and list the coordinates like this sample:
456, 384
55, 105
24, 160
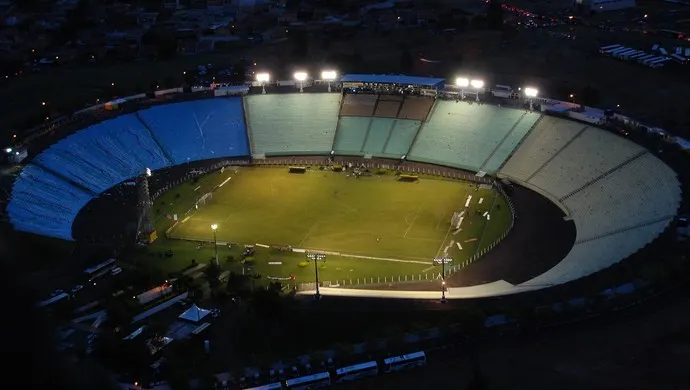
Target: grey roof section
392, 79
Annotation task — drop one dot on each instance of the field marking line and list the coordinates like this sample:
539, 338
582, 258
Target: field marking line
311, 230
421, 239
384, 259
450, 227
416, 214
425, 270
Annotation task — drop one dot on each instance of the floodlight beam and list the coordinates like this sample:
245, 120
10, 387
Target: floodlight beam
462, 82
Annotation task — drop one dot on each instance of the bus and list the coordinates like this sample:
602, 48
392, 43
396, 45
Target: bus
357, 371
270, 386
608, 48
404, 362
92, 270
315, 381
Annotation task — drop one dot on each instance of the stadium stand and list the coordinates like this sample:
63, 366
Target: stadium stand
388, 106
464, 135
401, 138
199, 129
510, 142
294, 124
352, 133
547, 138
585, 158
594, 255
416, 107
379, 131
43, 204
358, 105
104, 154
639, 192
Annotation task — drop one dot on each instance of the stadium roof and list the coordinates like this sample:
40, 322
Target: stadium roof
391, 79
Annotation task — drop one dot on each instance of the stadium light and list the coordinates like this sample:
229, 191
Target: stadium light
8, 150
462, 82
443, 261
478, 84
214, 227
300, 77
148, 172
330, 76
531, 93
263, 78
316, 257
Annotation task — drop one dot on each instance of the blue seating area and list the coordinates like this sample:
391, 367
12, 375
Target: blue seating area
352, 133
104, 154
510, 142
379, 131
200, 129
292, 124
44, 204
463, 135
401, 137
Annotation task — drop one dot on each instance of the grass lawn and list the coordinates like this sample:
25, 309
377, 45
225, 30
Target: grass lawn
376, 217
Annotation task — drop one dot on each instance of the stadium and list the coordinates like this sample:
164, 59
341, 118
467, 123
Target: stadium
408, 185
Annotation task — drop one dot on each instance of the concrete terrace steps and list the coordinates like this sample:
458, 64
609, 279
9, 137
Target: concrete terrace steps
564, 147
605, 174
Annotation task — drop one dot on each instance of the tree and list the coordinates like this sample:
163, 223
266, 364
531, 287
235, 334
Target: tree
591, 96
212, 273
239, 70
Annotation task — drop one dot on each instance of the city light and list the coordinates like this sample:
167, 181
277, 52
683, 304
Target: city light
300, 76
531, 92
477, 84
329, 75
263, 77
8, 150
462, 82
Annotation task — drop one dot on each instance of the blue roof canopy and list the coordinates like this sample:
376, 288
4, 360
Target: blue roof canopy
391, 79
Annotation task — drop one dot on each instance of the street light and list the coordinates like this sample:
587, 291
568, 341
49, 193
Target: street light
330, 76
316, 257
263, 78
531, 93
443, 261
214, 227
301, 76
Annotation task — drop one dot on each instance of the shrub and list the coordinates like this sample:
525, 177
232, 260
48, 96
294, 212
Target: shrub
177, 195
249, 260
381, 172
303, 264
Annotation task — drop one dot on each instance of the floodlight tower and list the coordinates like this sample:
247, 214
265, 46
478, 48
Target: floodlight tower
300, 77
214, 227
531, 93
462, 83
263, 78
330, 76
145, 222
443, 261
477, 85
316, 257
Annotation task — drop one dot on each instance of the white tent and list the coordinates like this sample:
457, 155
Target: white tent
194, 314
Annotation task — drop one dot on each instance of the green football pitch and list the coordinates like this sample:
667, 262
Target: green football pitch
372, 218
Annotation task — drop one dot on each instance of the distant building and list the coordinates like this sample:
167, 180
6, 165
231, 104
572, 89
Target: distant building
593, 6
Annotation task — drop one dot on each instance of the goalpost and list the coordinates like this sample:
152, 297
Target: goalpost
204, 199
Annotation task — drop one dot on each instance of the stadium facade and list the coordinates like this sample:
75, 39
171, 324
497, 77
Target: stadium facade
619, 195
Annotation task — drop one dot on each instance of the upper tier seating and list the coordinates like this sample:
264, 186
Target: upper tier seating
292, 124
463, 135
592, 256
200, 129
416, 107
44, 204
388, 106
104, 154
641, 191
549, 136
358, 104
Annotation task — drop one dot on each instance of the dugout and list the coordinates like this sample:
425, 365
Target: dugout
408, 178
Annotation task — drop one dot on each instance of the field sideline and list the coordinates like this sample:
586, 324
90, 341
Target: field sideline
373, 216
